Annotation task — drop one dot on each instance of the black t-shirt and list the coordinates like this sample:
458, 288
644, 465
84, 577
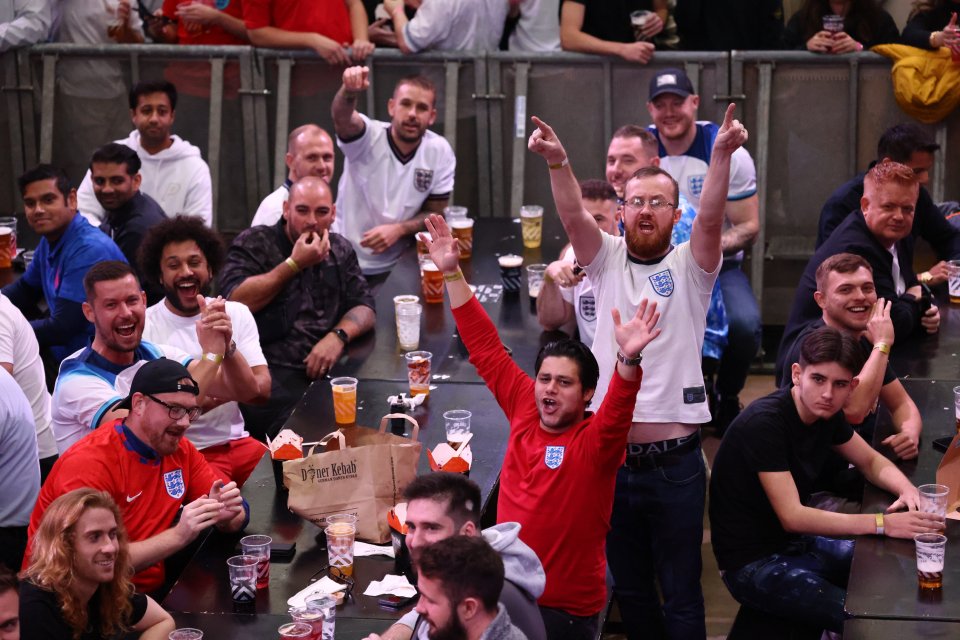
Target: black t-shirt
41, 615
767, 437
610, 19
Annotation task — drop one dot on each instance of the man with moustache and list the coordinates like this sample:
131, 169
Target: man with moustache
309, 153
184, 256
143, 461
306, 292
94, 379
557, 452
657, 521
394, 173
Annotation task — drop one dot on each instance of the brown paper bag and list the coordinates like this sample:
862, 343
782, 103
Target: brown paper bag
365, 476
948, 473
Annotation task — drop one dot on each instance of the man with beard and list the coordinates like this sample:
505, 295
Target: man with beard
173, 172
685, 148
460, 579
129, 213
557, 452
657, 521
441, 505
184, 256
308, 297
309, 153
151, 471
394, 173
93, 380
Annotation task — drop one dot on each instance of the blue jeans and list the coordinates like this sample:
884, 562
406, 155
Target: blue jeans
656, 534
807, 581
743, 340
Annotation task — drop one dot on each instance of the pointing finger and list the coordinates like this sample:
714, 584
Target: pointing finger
543, 126
728, 116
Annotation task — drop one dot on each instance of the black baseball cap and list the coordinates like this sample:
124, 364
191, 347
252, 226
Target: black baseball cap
160, 376
673, 81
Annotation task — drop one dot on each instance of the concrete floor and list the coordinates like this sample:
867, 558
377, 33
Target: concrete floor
720, 607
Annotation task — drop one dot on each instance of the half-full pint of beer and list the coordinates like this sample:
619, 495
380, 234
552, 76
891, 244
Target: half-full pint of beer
462, 229
432, 283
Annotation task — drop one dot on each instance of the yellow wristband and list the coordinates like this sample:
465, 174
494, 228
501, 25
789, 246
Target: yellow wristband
215, 358
879, 520
925, 277
882, 347
293, 265
559, 165
453, 277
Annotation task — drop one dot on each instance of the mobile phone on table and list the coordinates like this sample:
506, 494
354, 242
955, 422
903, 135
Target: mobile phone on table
394, 602
282, 551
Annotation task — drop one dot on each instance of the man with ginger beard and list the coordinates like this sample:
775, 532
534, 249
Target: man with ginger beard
309, 153
184, 255
657, 520
304, 286
93, 380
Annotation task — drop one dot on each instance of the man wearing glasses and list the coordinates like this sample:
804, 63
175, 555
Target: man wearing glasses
151, 471
657, 520
92, 380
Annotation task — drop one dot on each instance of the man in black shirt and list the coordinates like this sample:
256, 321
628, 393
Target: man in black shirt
604, 27
776, 554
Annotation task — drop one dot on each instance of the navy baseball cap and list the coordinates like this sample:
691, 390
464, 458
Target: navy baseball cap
160, 376
673, 81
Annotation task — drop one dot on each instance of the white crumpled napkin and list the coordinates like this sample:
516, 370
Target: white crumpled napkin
323, 585
364, 549
394, 585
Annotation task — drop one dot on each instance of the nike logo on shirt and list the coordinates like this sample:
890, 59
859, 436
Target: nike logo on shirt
132, 498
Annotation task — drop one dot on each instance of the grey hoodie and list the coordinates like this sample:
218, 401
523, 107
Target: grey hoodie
501, 628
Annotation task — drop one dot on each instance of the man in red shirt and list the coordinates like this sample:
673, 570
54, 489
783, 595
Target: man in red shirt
561, 462
328, 27
151, 470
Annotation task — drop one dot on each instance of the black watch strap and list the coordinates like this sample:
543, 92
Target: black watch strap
344, 338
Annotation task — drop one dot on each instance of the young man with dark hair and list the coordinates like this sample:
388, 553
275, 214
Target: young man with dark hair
459, 582
557, 452
909, 144
441, 505
68, 247
394, 173
173, 172
184, 256
128, 212
9, 605
776, 554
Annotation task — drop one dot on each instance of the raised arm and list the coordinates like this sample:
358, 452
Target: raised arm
553, 311
347, 123
705, 238
580, 226
863, 399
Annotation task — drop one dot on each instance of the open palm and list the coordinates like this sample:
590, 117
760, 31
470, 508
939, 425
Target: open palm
444, 248
636, 334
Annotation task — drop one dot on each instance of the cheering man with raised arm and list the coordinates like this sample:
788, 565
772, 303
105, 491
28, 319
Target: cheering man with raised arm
657, 521
557, 453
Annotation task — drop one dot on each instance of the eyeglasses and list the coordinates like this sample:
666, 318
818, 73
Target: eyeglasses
175, 411
337, 575
656, 204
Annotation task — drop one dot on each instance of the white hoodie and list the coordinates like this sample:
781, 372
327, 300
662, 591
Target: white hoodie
177, 178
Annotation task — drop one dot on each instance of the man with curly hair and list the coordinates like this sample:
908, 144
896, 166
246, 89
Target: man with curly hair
183, 255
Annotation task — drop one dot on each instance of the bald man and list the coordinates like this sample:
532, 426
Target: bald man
306, 291
309, 153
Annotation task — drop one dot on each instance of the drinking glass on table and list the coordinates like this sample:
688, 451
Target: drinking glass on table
418, 372
344, 400
341, 533
931, 549
408, 326
259, 548
243, 578
457, 425
933, 499
295, 631
953, 280
531, 225
186, 634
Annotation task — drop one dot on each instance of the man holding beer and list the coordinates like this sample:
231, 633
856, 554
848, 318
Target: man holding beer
774, 553
304, 287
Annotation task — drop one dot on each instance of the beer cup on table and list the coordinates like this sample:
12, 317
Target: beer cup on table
327, 605
406, 298
638, 20
312, 616
344, 400
243, 577
953, 280
454, 213
423, 254
186, 634
457, 424
535, 273
510, 272
8, 241
432, 282
418, 372
259, 548
341, 532
408, 326
531, 225
833, 23
462, 230
933, 498
931, 548
295, 631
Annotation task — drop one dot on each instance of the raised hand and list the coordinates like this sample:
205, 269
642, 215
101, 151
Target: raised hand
214, 328
879, 325
561, 272
356, 79
732, 135
543, 141
636, 334
444, 248
950, 35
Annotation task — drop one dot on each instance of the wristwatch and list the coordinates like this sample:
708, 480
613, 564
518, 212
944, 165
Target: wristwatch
340, 333
231, 349
630, 362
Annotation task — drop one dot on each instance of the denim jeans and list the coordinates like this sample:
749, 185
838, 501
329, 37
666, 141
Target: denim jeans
807, 581
657, 534
743, 340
